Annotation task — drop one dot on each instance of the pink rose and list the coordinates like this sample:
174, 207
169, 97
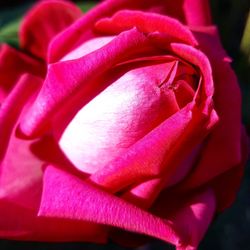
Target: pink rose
135, 127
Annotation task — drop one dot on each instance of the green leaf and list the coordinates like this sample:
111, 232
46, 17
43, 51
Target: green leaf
85, 6
9, 23
245, 42
9, 33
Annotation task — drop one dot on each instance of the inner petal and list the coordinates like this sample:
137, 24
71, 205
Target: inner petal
119, 116
185, 83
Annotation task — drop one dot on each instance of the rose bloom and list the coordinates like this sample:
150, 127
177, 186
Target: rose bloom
122, 123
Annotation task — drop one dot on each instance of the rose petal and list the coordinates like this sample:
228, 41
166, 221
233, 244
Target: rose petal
12, 65
231, 178
81, 30
10, 111
20, 194
197, 12
119, 116
145, 22
18, 223
144, 194
20, 181
20, 170
183, 92
158, 153
223, 150
199, 59
59, 87
190, 214
166, 137
43, 22
88, 47
47, 149
65, 196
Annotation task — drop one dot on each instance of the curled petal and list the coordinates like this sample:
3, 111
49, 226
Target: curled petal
43, 22
79, 31
223, 150
200, 60
145, 22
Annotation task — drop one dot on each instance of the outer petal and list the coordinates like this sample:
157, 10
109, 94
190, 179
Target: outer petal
21, 178
20, 171
65, 196
78, 32
190, 214
197, 12
223, 150
43, 22
20, 194
10, 111
230, 179
12, 65
146, 22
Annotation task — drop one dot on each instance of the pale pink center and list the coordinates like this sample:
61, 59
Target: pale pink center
137, 101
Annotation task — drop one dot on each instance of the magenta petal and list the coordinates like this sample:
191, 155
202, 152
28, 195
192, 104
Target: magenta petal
190, 214
43, 22
20, 193
146, 158
13, 64
18, 223
197, 12
145, 193
59, 87
146, 22
181, 132
20, 176
226, 196
198, 58
10, 111
201, 208
223, 150
79, 31
20, 170
158, 153
65, 196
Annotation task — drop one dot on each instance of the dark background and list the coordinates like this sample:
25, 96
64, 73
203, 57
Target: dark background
230, 230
